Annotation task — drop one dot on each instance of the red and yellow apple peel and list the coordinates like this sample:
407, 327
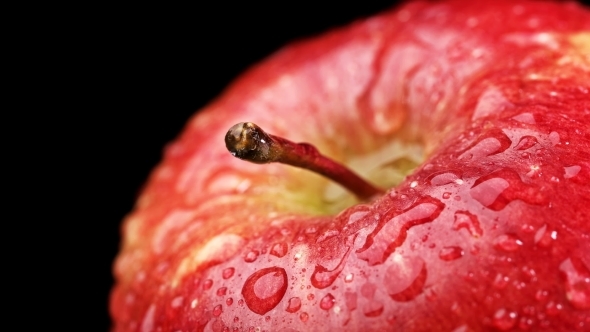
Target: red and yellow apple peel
490, 231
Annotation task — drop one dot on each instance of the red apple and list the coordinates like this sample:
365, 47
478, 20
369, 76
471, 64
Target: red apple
475, 118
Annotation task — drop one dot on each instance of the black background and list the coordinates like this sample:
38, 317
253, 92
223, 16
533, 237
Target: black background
147, 70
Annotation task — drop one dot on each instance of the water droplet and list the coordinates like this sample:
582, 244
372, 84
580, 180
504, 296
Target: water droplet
491, 101
207, 284
350, 300
241, 302
311, 230
251, 256
507, 242
525, 323
501, 281
554, 138
310, 297
368, 290
430, 294
487, 192
279, 249
450, 253
322, 277
294, 305
236, 319
526, 228
229, 301
541, 295
264, 289
526, 142
391, 232
469, 221
221, 291
577, 285
553, 309
327, 302
267, 319
492, 143
525, 118
328, 234
442, 178
504, 319
228, 273
373, 309
348, 278
571, 171
446, 195
217, 310
404, 279
498, 189
544, 237
304, 317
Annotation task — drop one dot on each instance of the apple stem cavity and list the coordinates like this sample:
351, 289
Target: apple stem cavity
248, 141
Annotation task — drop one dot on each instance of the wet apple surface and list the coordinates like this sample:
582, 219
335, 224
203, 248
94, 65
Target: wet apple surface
475, 117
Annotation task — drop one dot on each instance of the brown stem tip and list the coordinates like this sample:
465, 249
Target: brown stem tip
249, 142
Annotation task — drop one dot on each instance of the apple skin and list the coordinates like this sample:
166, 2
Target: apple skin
490, 232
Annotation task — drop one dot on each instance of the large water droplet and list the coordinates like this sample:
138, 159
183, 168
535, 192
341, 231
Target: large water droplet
504, 319
498, 189
373, 309
229, 301
450, 253
469, 221
391, 232
404, 279
577, 285
488, 192
279, 249
493, 142
264, 289
294, 305
507, 242
228, 273
327, 302
526, 142
322, 277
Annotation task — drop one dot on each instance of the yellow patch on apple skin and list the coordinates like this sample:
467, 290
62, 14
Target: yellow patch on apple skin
579, 56
220, 248
385, 167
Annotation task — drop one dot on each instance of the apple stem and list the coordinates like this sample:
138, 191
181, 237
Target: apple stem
249, 142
